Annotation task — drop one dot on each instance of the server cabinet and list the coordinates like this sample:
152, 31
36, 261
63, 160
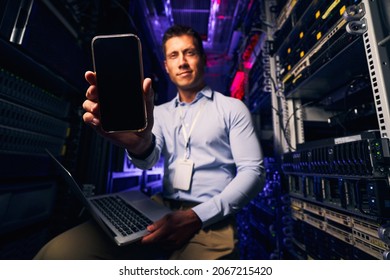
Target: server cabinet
332, 68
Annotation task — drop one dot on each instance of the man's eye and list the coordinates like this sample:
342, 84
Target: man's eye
172, 56
191, 53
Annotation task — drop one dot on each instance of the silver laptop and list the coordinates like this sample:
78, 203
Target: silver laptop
123, 215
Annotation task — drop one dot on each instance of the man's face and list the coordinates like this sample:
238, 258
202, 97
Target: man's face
184, 64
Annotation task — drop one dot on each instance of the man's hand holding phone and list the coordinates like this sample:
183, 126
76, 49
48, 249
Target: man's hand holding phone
119, 101
135, 142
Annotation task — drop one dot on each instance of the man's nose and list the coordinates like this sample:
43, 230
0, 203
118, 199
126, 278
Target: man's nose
182, 59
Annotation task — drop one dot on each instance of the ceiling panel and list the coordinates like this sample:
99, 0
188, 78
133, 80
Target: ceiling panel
192, 13
214, 19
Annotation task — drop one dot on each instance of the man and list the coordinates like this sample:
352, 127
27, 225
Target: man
209, 146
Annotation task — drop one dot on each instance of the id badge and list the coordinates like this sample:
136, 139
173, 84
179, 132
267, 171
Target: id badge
183, 174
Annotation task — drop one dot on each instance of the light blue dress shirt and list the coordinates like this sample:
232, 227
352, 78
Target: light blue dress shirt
228, 160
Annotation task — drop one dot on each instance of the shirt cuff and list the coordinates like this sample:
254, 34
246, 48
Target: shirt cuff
208, 213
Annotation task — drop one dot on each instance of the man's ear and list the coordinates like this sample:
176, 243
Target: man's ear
165, 64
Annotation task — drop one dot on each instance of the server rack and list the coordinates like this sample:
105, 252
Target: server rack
265, 225
40, 108
331, 63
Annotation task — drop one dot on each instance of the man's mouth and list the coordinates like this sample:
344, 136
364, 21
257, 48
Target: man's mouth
184, 73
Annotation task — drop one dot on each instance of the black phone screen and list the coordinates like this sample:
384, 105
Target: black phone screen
119, 75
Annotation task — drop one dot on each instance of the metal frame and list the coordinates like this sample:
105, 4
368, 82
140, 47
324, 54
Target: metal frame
278, 104
378, 63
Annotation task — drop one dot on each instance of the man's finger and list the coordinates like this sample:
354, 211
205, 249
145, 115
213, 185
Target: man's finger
91, 120
90, 77
91, 107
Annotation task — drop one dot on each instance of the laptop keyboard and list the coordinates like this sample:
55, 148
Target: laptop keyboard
124, 217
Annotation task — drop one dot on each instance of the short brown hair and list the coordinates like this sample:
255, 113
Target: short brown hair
179, 30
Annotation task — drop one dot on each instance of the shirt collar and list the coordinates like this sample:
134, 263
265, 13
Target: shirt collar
206, 92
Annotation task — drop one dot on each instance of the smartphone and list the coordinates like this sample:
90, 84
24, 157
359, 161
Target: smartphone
117, 62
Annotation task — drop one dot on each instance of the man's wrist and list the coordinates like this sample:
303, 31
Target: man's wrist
197, 222
147, 152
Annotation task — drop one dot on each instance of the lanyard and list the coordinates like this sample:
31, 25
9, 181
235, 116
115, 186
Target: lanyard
187, 134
